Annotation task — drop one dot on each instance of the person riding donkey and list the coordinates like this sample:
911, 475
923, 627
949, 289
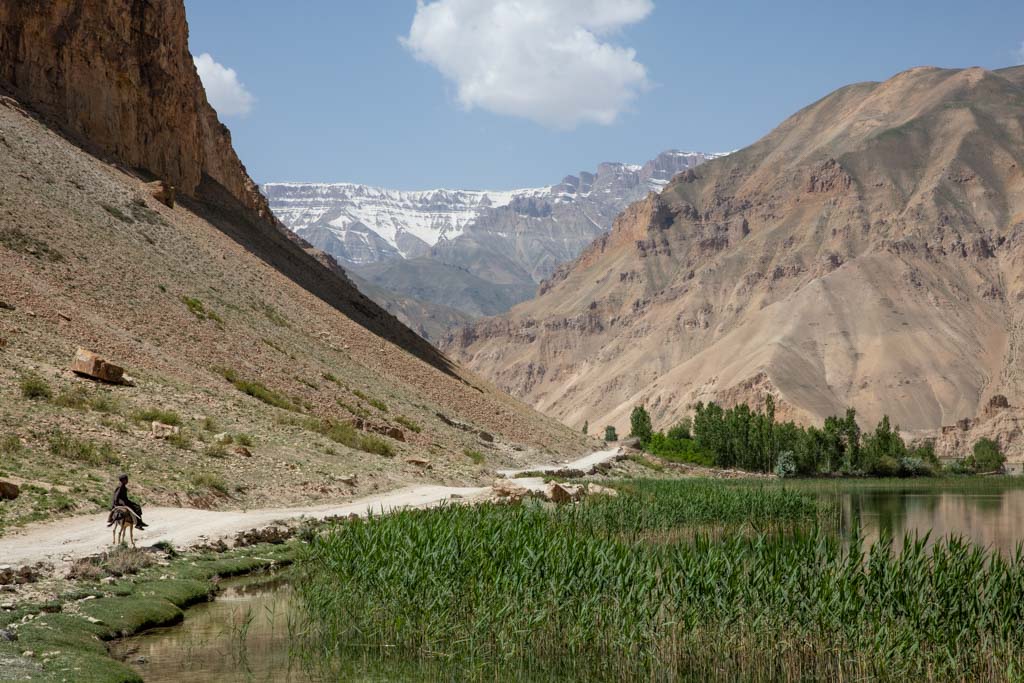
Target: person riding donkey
121, 500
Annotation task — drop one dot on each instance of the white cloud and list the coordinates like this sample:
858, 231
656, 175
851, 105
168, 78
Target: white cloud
223, 89
545, 60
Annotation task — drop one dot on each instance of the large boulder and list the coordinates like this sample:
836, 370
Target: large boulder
563, 493
506, 490
92, 365
9, 491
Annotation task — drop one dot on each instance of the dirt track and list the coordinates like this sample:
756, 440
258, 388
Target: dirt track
68, 539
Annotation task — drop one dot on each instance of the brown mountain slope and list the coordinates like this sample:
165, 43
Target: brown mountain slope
177, 295
867, 252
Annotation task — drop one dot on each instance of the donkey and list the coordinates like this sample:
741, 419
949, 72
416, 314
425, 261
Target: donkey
124, 519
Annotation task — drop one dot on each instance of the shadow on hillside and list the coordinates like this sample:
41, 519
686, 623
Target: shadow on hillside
265, 240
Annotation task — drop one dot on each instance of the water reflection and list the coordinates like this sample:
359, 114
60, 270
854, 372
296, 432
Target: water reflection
991, 518
243, 636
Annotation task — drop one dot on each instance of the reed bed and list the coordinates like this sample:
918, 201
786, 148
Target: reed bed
529, 593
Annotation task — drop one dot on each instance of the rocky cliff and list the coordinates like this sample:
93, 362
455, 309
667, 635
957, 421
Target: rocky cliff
117, 77
867, 252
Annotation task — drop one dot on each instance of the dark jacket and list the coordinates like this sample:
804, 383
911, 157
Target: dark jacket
121, 497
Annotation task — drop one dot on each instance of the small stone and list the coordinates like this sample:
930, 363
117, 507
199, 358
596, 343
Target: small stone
243, 451
223, 437
419, 462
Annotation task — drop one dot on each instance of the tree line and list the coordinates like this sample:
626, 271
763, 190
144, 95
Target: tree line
740, 437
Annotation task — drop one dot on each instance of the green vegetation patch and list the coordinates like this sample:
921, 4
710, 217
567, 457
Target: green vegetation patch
35, 388
476, 456
81, 450
199, 309
409, 424
612, 590
167, 417
258, 390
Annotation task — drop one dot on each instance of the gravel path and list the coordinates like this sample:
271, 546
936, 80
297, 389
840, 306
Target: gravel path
68, 539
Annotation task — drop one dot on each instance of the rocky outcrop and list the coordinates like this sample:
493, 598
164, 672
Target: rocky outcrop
117, 77
92, 365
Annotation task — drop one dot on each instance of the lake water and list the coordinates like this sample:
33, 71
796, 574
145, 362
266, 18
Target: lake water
245, 634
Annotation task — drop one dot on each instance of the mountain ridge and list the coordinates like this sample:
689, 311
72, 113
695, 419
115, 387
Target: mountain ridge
797, 267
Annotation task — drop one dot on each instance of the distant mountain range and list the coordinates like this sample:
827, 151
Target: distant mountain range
471, 251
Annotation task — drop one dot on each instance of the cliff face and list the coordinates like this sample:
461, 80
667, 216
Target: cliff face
867, 252
117, 76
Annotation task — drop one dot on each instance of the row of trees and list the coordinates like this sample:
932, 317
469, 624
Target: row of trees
751, 440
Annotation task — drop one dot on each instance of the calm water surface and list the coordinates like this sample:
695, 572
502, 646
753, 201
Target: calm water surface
245, 634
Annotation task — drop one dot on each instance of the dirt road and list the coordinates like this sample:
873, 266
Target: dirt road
68, 539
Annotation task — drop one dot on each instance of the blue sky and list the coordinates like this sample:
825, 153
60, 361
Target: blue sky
337, 96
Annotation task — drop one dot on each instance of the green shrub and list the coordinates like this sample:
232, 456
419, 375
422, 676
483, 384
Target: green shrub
355, 410
211, 481
476, 456
785, 465
986, 456
245, 440
376, 403
35, 388
217, 450
610, 434
75, 397
377, 445
167, 417
105, 402
199, 309
180, 439
257, 390
81, 450
10, 444
411, 425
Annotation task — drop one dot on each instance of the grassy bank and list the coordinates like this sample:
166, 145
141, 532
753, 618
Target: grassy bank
583, 591
66, 638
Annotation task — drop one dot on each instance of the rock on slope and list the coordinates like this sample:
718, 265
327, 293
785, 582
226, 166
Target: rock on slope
867, 252
478, 252
89, 258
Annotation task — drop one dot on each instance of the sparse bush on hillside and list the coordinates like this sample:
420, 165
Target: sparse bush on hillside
10, 444
211, 481
117, 213
199, 309
409, 424
245, 440
610, 434
377, 445
35, 388
272, 314
476, 456
216, 450
180, 439
257, 390
82, 450
167, 417
75, 397
376, 403
355, 410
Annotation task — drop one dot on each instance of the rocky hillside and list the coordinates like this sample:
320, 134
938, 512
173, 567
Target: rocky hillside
478, 252
867, 252
279, 382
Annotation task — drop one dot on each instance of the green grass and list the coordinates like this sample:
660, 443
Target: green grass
258, 390
209, 481
199, 309
376, 403
409, 424
354, 410
10, 444
375, 444
587, 592
216, 450
476, 456
181, 440
35, 388
82, 450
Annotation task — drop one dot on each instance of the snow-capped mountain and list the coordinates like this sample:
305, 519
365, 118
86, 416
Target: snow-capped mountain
360, 224
409, 222
477, 252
